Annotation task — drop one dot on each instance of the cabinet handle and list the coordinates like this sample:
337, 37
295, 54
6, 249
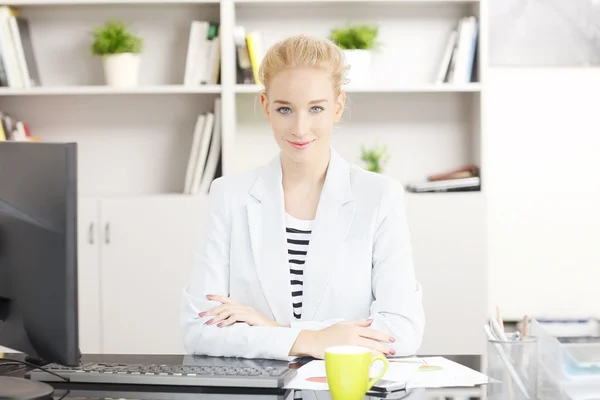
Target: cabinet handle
91, 233
107, 233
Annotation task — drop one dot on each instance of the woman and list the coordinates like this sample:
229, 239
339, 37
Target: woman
307, 251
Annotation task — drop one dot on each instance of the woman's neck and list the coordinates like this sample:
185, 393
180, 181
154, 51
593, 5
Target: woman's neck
309, 173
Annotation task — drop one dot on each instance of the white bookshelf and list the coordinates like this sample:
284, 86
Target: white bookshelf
134, 145
106, 90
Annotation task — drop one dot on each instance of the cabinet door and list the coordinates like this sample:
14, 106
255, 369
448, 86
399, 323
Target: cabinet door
147, 255
448, 234
88, 276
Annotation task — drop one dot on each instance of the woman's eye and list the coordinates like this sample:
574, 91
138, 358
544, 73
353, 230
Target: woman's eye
316, 109
283, 110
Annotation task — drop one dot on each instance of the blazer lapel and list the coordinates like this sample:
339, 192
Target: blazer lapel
332, 223
266, 222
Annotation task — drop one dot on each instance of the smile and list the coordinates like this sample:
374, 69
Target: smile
301, 145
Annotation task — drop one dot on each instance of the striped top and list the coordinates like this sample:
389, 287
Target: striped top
298, 237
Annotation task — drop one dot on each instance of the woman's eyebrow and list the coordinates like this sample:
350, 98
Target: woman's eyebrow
310, 102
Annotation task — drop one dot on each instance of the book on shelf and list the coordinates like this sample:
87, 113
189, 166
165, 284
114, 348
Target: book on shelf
466, 171
14, 130
205, 152
249, 54
203, 59
18, 66
458, 60
462, 179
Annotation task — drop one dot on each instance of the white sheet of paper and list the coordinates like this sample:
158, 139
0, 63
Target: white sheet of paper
416, 372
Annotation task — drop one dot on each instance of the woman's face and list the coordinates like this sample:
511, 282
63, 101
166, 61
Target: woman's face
302, 108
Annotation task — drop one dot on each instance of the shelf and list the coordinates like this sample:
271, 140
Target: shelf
352, 1
18, 3
107, 90
425, 88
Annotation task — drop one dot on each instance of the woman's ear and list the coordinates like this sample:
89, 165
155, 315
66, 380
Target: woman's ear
264, 102
340, 104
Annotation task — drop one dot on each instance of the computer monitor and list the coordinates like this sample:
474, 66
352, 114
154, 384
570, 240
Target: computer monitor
38, 253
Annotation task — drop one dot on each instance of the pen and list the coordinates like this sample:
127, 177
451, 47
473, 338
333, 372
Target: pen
511, 369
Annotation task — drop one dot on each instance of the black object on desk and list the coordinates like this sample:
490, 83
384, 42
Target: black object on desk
38, 258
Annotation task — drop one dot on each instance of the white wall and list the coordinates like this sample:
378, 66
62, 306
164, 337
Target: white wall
542, 164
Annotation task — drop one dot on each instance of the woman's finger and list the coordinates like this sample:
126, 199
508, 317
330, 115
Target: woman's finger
229, 321
226, 313
375, 335
362, 322
215, 310
375, 345
221, 299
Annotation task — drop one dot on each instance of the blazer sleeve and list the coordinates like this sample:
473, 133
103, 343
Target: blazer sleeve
397, 308
210, 275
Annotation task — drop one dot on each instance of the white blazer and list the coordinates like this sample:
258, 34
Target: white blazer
359, 263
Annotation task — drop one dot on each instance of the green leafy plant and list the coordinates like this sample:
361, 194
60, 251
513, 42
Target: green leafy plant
375, 158
114, 38
356, 37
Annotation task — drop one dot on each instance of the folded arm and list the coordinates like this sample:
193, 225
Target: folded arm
210, 275
397, 308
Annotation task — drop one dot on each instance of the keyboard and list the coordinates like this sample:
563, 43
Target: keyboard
253, 376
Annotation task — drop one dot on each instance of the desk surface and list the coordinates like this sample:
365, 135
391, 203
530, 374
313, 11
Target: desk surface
66, 392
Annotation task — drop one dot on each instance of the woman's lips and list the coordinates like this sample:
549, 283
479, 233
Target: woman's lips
300, 145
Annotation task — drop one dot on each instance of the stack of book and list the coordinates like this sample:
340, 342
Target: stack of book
249, 54
459, 60
18, 67
203, 61
205, 152
464, 179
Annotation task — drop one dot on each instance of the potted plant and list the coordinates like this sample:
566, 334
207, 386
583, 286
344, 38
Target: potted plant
357, 41
374, 158
120, 52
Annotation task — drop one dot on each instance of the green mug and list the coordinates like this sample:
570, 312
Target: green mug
347, 369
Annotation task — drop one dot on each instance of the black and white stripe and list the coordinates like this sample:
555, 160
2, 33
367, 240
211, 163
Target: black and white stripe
298, 238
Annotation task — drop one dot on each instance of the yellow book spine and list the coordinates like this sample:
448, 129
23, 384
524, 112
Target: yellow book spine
251, 43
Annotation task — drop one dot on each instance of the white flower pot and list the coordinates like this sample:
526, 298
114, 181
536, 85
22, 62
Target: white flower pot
121, 70
360, 67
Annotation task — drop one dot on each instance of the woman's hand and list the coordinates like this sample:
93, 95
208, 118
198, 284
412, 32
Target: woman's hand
230, 312
356, 333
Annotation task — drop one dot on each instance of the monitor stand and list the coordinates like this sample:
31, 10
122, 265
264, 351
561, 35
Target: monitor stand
13, 388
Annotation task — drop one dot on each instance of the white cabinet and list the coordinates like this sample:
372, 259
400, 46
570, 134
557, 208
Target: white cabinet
449, 233
135, 258
88, 273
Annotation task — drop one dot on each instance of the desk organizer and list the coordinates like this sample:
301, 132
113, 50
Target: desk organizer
569, 369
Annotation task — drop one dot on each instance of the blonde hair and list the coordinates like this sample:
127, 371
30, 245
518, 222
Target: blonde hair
304, 51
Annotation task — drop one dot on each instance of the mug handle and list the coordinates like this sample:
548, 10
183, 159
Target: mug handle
386, 364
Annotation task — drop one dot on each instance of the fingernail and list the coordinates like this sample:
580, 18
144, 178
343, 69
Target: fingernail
202, 314
392, 352
392, 340
220, 324
210, 322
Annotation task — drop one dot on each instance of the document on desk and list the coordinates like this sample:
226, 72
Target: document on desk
414, 372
